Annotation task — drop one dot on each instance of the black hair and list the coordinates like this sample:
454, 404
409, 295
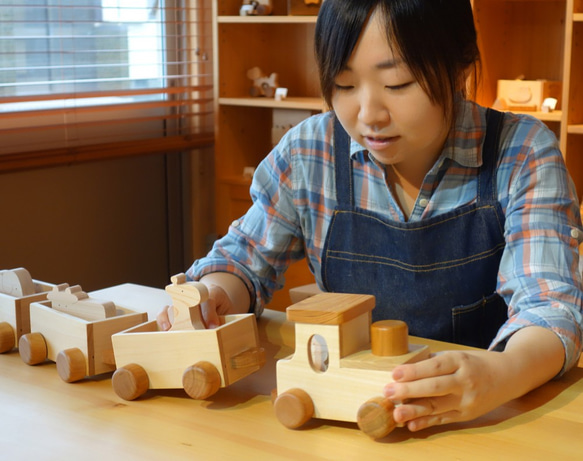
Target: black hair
435, 38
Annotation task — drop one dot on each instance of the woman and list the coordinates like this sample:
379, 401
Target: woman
460, 220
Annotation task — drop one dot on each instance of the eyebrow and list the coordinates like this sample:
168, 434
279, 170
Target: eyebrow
388, 64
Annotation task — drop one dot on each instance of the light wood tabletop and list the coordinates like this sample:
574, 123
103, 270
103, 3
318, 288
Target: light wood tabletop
44, 418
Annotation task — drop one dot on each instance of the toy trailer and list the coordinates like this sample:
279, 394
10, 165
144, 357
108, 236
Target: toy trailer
341, 363
74, 330
17, 291
188, 356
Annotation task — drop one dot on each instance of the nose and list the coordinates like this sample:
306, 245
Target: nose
372, 111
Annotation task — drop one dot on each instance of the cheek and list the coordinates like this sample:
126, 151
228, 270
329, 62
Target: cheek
420, 116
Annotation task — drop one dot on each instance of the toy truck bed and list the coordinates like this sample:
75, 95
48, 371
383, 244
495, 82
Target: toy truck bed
79, 347
166, 359
14, 313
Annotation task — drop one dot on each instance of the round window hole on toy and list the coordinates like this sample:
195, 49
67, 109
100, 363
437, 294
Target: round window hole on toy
318, 353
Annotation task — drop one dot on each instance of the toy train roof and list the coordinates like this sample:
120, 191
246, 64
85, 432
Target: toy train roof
330, 308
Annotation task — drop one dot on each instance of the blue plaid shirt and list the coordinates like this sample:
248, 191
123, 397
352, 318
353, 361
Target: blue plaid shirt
294, 196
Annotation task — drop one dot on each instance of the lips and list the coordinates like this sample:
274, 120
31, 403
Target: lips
379, 142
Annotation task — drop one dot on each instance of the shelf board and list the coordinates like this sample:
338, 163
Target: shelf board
578, 17
575, 129
315, 104
266, 19
554, 116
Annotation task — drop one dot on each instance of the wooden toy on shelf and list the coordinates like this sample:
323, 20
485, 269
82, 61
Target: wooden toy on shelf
262, 84
74, 330
341, 363
187, 356
17, 291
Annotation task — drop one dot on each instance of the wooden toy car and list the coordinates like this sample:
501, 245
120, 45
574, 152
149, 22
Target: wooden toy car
187, 356
17, 291
341, 363
74, 330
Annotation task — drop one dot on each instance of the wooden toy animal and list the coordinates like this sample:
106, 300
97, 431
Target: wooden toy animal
262, 84
74, 330
188, 356
17, 291
341, 363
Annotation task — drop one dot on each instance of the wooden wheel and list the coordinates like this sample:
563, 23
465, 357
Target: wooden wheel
293, 408
375, 417
201, 380
130, 381
32, 348
7, 341
71, 365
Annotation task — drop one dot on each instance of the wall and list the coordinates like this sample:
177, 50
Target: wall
92, 224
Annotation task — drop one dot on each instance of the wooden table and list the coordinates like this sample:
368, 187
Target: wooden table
44, 418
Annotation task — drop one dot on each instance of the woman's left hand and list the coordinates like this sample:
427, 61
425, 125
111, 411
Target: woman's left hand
462, 385
448, 387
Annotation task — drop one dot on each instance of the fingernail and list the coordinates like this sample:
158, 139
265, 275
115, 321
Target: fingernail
397, 375
389, 391
165, 326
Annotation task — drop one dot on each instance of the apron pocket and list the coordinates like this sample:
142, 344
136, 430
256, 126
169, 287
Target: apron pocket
477, 324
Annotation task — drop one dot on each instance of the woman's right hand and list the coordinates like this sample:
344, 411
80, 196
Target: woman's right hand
217, 304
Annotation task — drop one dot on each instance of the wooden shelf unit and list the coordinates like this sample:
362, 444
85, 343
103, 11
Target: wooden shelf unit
537, 39
276, 43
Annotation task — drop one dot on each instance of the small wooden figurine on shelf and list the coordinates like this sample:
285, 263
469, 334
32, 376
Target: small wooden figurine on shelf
341, 363
188, 356
262, 84
74, 330
256, 8
17, 291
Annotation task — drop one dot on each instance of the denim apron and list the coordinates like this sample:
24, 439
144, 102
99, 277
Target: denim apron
439, 275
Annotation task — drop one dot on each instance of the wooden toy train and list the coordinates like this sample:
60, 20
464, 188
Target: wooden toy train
87, 336
341, 363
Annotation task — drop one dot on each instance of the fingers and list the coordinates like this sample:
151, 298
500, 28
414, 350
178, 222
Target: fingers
425, 412
209, 312
163, 320
438, 365
217, 304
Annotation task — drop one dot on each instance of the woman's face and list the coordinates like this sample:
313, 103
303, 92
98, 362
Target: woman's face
383, 108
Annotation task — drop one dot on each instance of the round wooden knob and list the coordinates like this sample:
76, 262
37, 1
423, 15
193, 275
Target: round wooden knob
389, 338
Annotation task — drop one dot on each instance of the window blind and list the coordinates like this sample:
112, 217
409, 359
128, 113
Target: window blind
88, 79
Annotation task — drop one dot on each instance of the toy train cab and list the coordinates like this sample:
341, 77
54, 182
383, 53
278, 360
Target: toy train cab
341, 363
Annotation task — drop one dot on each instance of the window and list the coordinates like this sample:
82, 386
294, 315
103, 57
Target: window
91, 78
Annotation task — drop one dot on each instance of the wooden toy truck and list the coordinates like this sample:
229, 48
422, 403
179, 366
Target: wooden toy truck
17, 291
74, 330
188, 356
341, 363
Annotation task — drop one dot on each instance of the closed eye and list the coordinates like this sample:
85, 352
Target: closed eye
343, 87
398, 87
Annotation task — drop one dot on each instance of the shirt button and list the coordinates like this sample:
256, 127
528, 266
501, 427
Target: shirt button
423, 202
235, 223
575, 233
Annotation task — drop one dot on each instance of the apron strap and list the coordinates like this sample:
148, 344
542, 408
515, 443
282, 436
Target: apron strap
487, 175
343, 167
